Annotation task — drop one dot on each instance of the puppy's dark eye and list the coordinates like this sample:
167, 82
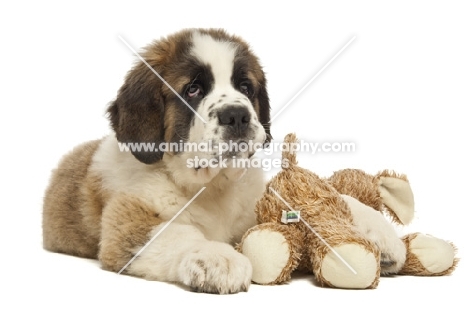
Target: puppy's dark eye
194, 91
245, 88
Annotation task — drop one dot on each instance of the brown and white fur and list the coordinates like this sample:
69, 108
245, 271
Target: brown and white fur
106, 203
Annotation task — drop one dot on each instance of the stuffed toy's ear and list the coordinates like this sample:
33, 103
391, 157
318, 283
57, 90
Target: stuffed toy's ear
397, 196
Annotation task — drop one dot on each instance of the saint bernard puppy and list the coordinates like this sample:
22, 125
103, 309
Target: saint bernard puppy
107, 203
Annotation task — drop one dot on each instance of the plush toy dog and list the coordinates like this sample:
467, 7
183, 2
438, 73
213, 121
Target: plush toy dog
335, 228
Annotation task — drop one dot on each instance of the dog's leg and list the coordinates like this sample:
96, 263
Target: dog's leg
180, 253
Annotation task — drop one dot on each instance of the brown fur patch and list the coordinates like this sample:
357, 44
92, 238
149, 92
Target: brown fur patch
126, 224
169, 120
392, 174
358, 184
67, 207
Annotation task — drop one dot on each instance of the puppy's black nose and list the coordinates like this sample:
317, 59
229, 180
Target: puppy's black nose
236, 118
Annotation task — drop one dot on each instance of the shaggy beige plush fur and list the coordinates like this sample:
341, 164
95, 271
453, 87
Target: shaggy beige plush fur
344, 239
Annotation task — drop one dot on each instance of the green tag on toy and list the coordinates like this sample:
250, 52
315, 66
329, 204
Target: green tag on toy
290, 217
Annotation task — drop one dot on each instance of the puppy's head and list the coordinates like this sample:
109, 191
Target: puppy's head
222, 85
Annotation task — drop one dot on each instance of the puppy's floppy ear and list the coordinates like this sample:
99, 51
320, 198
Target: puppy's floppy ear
264, 111
137, 115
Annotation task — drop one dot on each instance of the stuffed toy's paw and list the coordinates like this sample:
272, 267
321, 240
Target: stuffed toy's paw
355, 267
273, 250
428, 256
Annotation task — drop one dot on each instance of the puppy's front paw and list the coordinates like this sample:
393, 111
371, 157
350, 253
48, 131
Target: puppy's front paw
216, 269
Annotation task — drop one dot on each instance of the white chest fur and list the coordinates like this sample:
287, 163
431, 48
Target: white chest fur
222, 212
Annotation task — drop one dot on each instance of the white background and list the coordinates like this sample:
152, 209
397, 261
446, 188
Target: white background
398, 92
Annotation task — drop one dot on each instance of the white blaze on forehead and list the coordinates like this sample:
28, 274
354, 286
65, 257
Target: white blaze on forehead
219, 55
